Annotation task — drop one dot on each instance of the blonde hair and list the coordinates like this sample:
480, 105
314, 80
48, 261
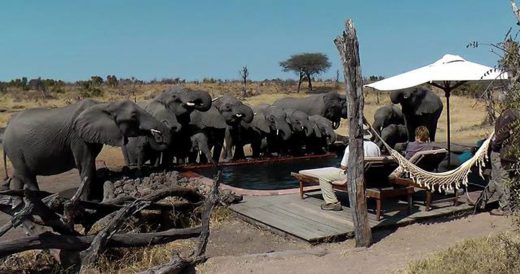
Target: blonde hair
422, 133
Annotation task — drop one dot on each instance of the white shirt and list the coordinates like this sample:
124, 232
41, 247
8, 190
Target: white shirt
370, 149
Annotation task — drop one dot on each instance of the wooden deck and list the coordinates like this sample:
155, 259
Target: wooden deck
289, 215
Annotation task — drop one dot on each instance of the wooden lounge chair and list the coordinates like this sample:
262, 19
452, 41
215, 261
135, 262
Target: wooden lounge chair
428, 160
376, 172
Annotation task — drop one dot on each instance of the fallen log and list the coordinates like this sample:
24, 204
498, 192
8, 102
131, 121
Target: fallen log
50, 240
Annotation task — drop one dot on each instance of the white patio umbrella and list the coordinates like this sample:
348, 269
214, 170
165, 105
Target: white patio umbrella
447, 73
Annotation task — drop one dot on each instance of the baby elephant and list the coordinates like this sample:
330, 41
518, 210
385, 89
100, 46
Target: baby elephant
200, 147
392, 134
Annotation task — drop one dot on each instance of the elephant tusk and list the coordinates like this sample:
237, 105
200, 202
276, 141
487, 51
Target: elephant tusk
200, 152
191, 104
155, 131
277, 132
239, 115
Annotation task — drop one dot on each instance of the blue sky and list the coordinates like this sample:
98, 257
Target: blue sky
73, 40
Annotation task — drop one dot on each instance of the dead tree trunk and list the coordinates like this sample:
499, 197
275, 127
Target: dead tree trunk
347, 45
300, 79
309, 80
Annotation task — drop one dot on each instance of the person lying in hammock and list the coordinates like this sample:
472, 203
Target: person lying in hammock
421, 143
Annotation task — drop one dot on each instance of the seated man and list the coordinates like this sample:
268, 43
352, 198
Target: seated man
331, 201
422, 142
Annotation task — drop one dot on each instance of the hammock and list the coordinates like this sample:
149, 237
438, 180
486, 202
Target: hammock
449, 180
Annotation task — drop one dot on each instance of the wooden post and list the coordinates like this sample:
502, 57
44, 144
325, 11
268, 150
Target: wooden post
348, 48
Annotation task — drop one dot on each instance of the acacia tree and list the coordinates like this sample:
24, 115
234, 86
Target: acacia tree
306, 65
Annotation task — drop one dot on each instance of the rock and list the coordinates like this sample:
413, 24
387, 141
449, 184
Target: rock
128, 188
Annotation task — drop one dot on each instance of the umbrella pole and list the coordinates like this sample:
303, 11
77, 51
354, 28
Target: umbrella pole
447, 93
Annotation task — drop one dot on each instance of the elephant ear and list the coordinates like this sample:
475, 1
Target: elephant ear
211, 118
96, 125
259, 122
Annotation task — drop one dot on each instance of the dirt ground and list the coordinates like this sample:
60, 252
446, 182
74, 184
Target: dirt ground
237, 247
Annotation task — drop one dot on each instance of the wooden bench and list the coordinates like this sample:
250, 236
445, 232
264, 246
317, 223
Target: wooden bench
378, 192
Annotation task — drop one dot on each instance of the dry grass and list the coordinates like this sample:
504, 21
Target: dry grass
495, 254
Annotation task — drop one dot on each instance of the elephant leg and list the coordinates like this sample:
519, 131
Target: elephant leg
411, 130
432, 127
167, 158
85, 156
125, 155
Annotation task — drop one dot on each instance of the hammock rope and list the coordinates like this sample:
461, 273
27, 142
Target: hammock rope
442, 181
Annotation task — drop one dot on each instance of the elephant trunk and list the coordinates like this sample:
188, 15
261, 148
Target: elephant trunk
151, 127
308, 129
395, 96
335, 124
282, 129
245, 113
331, 136
199, 100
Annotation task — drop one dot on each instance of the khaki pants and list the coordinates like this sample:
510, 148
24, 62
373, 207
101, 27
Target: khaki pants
498, 183
326, 186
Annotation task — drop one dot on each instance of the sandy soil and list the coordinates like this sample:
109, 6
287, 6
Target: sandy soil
390, 253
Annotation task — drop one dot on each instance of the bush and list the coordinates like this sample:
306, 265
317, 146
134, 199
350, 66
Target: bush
496, 254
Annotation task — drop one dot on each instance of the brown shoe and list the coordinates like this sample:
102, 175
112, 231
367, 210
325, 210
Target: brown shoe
498, 212
332, 206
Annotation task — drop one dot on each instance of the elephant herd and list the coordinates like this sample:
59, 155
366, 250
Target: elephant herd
178, 125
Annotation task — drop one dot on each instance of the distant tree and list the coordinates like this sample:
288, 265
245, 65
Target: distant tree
112, 81
244, 73
306, 65
96, 80
38, 85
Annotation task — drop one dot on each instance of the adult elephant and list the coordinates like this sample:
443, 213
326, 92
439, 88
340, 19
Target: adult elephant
420, 107
235, 113
140, 149
268, 121
330, 105
387, 115
301, 128
392, 134
51, 141
222, 124
323, 135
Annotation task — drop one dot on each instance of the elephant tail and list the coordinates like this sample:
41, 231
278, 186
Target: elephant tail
5, 165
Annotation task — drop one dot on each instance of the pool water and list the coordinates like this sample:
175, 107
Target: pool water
268, 176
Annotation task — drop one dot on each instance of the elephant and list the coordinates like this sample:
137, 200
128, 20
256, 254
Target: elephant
387, 115
331, 105
138, 150
181, 102
222, 124
392, 134
44, 141
268, 121
420, 107
323, 135
199, 147
301, 128
235, 113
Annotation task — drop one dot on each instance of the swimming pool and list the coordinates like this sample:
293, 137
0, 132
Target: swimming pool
268, 175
